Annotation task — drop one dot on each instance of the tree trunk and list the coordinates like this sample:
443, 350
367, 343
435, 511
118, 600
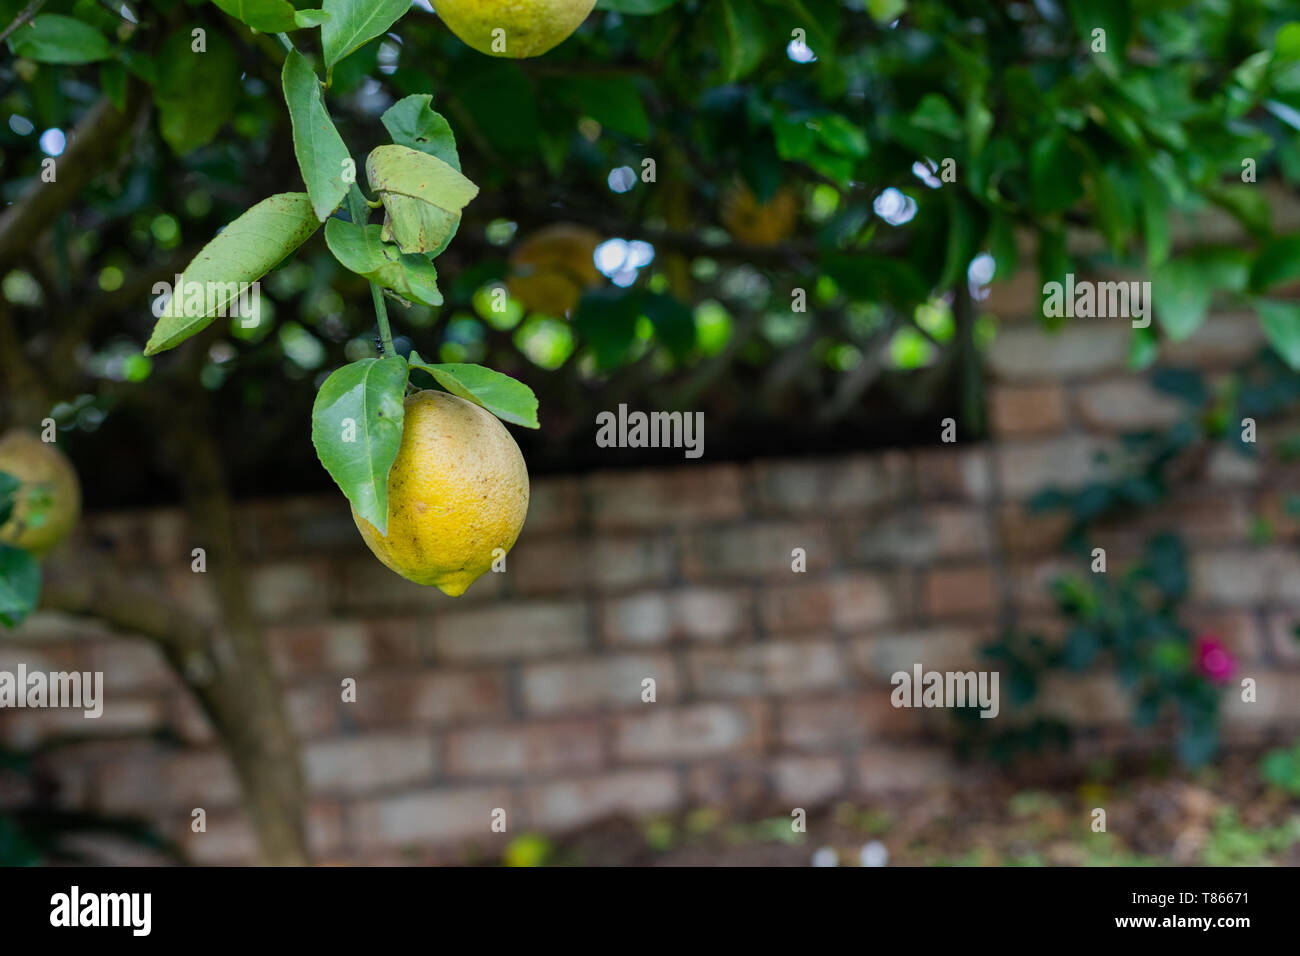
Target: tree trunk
244, 697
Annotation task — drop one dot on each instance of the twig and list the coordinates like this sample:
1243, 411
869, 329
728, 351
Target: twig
26, 15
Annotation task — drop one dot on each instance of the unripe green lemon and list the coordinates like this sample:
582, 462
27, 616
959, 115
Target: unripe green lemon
458, 490
528, 27
48, 502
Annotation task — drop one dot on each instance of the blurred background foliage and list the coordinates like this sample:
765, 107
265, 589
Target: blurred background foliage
660, 195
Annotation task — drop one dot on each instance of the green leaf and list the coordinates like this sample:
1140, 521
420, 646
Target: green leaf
242, 252
112, 80
742, 37
886, 11
674, 323
507, 398
606, 319
1182, 288
413, 123
841, 135
195, 92
796, 138
1251, 206
322, 155
353, 23
1055, 174
935, 115
51, 38
1002, 245
1281, 324
1112, 16
9, 486
1278, 261
612, 101
422, 197
360, 249
20, 585
356, 427
271, 16
1155, 217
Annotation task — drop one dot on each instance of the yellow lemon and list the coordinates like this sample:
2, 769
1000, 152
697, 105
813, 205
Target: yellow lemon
513, 28
458, 490
550, 269
759, 223
48, 502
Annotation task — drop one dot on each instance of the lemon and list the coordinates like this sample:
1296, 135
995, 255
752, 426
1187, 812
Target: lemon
550, 269
758, 223
48, 502
458, 490
527, 27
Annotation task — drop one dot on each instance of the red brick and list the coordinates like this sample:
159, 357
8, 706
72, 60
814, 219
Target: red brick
937, 648
130, 666
324, 646
554, 504
564, 804
1084, 700
959, 473
313, 710
1027, 353
1243, 577
738, 783
370, 762
227, 839
691, 614
288, 588
756, 549
833, 721
438, 697
660, 732
1126, 405
1276, 693
898, 769
431, 816
1223, 341
846, 603
1229, 468
654, 499
857, 484
1283, 640
524, 749
1027, 467
196, 593
1027, 410
847, 485
196, 779
1025, 532
960, 592
121, 716
597, 682
1016, 297
808, 781
912, 536
511, 631
779, 667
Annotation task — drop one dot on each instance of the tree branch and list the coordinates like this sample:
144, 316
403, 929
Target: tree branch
26, 15
92, 140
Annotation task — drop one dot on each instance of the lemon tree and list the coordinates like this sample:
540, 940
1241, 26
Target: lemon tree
460, 492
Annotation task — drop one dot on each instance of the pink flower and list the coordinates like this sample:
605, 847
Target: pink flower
1213, 659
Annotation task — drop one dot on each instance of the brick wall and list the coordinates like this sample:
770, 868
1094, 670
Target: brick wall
772, 686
